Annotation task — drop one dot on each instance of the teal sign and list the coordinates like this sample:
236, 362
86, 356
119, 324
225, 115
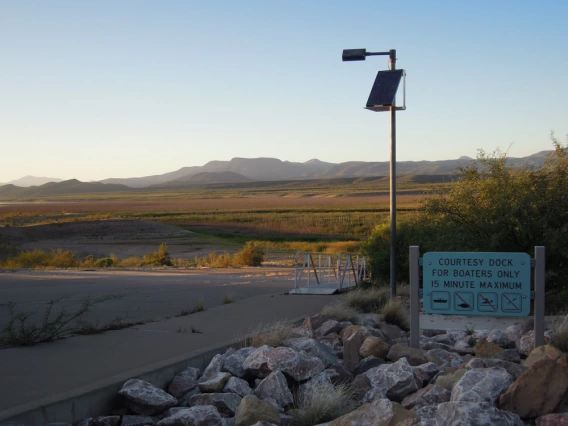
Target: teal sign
490, 284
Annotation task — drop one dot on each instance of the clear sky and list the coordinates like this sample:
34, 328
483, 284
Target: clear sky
124, 88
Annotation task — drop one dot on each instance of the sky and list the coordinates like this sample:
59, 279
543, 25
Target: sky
123, 88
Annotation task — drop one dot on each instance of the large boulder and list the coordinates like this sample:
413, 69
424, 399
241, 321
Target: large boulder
482, 385
313, 348
328, 327
461, 413
430, 395
368, 363
380, 412
441, 357
146, 399
225, 403
500, 338
184, 382
205, 415
252, 410
542, 352
413, 356
486, 349
234, 363
215, 383
275, 386
238, 386
315, 322
553, 420
514, 369
449, 379
423, 373
351, 347
213, 368
298, 365
395, 380
538, 390
129, 420
374, 346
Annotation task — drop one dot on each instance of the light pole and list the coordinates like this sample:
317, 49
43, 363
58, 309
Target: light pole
382, 98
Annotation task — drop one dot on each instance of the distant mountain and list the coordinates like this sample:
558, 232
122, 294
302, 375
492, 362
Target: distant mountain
206, 178
72, 186
141, 182
32, 181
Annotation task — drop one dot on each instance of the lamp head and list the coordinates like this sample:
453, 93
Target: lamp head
354, 55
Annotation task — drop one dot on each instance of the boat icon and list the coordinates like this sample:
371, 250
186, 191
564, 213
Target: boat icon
440, 300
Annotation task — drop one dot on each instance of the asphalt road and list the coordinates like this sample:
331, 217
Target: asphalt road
144, 295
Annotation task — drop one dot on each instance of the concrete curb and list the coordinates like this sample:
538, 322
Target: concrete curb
101, 397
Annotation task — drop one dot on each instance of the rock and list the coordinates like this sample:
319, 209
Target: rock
145, 399
238, 386
227, 421
215, 384
395, 380
137, 421
275, 386
213, 368
486, 349
380, 412
482, 385
368, 363
427, 415
430, 395
313, 348
348, 331
328, 327
480, 334
423, 373
315, 322
252, 410
360, 386
449, 380
96, 421
351, 347
173, 411
413, 356
204, 415
542, 352
374, 346
510, 355
234, 363
456, 335
369, 320
515, 370
339, 375
442, 338
225, 403
184, 401
526, 343
501, 339
321, 382
390, 330
441, 357
538, 390
373, 394
553, 420
184, 382
297, 365
474, 414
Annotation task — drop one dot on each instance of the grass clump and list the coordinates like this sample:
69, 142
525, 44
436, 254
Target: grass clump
22, 331
339, 312
560, 339
368, 301
251, 255
393, 313
228, 298
272, 334
316, 405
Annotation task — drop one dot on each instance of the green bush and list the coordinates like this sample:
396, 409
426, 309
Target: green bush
105, 262
158, 258
251, 255
493, 207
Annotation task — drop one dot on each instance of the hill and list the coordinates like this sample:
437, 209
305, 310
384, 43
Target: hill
32, 181
204, 178
72, 186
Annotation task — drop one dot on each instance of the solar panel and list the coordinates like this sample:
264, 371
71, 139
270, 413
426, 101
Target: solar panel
384, 89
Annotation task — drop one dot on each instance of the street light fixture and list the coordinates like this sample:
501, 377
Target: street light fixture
382, 98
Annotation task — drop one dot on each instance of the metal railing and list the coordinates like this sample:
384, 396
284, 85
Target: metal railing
343, 270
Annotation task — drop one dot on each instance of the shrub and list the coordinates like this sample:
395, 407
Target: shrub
393, 313
228, 298
105, 262
340, 313
251, 255
62, 259
321, 404
158, 258
368, 301
272, 334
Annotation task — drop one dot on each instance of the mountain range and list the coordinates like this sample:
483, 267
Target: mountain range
246, 170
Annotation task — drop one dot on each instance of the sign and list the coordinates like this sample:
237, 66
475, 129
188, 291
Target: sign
491, 284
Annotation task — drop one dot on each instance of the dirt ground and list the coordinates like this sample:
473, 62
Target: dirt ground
124, 238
